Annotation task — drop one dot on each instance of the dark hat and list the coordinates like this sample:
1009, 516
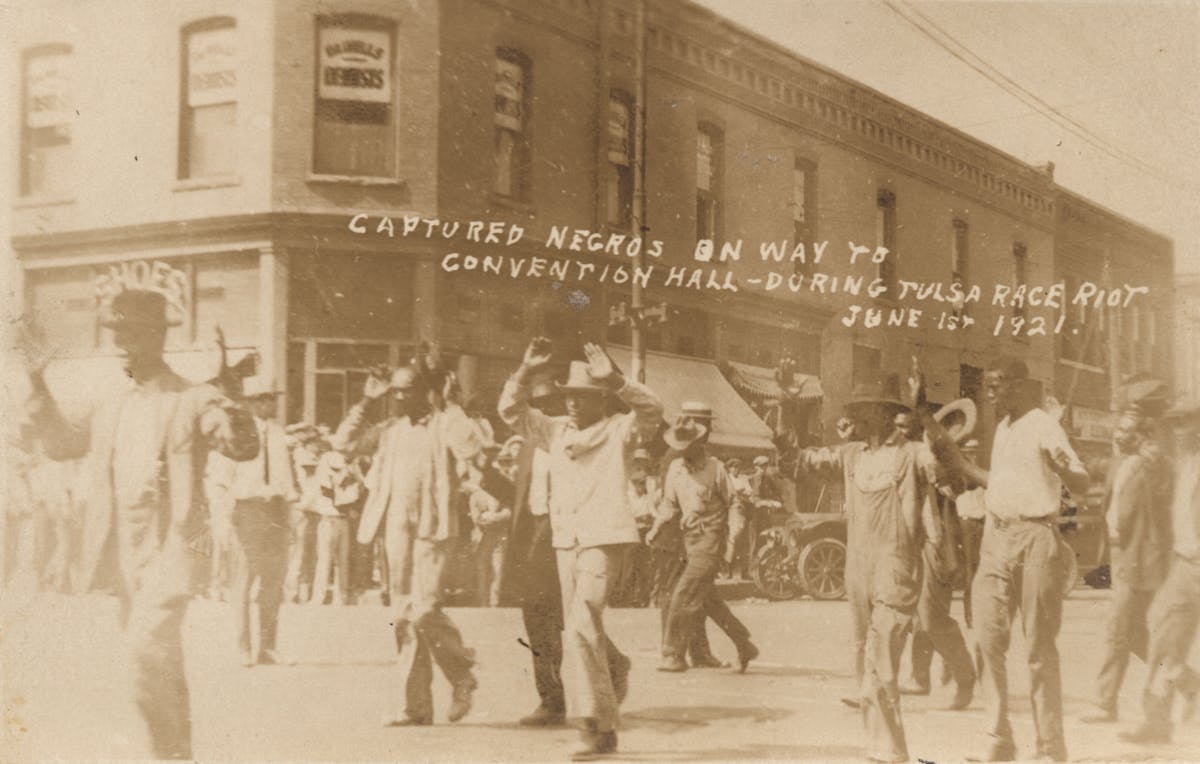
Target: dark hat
684, 434
137, 307
580, 379
885, 388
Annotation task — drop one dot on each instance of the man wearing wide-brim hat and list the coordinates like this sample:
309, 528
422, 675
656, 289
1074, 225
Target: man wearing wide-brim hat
146, 447
1175, 614
591, 520
699, 491
884, 536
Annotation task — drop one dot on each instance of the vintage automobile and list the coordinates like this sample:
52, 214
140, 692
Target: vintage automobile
805, 553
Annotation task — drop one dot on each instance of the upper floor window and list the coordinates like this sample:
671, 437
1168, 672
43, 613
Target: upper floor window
619, 160
709, 170
885, 235
209, 98
1019, 259
511, 118
355, 131
960, 256
803, 212
46, 120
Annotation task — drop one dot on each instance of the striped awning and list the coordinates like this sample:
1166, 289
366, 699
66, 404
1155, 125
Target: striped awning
759, 382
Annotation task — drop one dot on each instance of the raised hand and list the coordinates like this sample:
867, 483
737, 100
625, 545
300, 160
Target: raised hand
537, 355
600, 366
377, 384
845, 428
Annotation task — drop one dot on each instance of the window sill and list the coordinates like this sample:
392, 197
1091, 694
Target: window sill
214, 181
510, 203
48, 200
355, 180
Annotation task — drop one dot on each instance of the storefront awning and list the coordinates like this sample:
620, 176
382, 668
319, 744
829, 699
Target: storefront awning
676, 379
759, 382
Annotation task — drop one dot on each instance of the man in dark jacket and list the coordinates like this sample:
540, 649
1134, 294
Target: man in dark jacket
530, 572
1138, 516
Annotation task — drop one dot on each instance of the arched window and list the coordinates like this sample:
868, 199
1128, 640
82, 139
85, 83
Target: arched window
619, 160
709, 180
511, 123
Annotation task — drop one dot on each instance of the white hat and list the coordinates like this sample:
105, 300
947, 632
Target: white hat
253, 387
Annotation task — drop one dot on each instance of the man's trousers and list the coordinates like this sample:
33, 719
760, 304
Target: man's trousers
262, 532
1024, 565
590, 660
1173, 620
695, 596
154, 632
936, 629
424, 633
333, 553
1125, 633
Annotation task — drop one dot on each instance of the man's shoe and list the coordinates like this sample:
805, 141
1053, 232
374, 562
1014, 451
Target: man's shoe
269, 658
963, 695
673, 664
854, 703
1100, 716
915, 688
460, 705
596, 745
1146, 734
543, 717
247, 658
997, 752
746, 653
406, 721
709, 661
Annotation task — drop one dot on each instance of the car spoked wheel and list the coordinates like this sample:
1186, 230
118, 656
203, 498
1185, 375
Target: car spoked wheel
772, 573
823, 569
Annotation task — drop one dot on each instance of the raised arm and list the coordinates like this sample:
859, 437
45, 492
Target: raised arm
357, 435
63, 439
514, 408
227, 428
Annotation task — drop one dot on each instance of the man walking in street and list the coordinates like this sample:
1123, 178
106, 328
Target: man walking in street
145, 505
590, 517
1138, 517
699, 491
530, 573
1176, 611
1024, 563
262, 489
421, 453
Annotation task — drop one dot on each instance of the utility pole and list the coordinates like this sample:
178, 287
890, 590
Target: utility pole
638, 216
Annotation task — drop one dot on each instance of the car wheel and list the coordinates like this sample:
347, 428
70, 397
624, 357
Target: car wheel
772, 575
823, 569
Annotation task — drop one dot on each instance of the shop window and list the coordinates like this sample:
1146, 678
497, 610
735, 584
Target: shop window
885, 235
342, 370
803, 212
619, 160
209, 99
709, 149
511, 123
46, 121
355, 132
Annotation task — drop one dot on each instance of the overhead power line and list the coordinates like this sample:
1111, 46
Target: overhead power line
943, 39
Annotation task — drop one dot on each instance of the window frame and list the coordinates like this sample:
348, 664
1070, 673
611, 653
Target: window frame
805, 231
886, 230
186, 111
364, 21
616, 173
25, 191
714, 195
521, 171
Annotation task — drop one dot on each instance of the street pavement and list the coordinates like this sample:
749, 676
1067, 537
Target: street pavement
65, 691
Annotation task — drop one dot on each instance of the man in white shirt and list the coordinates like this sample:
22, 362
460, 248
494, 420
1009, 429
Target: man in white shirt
1175, 614
1023, 555
590, 517
261, 490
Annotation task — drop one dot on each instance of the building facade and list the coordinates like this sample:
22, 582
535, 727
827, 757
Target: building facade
231, 169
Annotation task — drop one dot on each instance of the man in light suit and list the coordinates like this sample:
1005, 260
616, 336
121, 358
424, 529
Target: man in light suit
421, 453
145, 504
591, 521
261, 489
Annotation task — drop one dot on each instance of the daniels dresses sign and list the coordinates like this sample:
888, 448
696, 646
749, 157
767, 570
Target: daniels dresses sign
212, 69
355, 65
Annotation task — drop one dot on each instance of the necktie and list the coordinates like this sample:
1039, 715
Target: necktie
266, 458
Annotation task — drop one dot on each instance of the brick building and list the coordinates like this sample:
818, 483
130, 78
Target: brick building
231, 167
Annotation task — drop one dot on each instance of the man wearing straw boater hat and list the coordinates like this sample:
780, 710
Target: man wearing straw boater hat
145, 506
884, 535
591, 520
700, 493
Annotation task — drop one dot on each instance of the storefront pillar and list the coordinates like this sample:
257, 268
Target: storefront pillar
272, 320
425, 325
